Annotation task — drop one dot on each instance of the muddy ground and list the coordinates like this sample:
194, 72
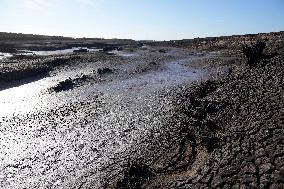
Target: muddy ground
152, 116
232, 135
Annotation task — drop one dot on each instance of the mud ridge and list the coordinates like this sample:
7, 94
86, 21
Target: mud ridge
233, 137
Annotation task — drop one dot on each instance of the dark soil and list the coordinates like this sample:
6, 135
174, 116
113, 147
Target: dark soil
232, 136
224, 132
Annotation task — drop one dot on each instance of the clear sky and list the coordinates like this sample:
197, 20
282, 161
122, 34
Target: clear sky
141, 19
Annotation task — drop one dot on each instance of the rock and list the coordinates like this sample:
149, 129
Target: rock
249, 168
266, 168
110, 48
228, 171
81, 50
248, 179
236, 186
217, 181
262, 160
120, 48
279, 161
162, 51
265, 180
277, 186
259, 153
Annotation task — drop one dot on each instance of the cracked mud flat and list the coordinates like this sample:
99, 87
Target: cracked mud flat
231, 132
140, 120
233, 137
82, 137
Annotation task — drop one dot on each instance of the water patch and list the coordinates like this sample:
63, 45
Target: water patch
64, 51
56, 52
173, 73
123, 53
5, 55
33, 96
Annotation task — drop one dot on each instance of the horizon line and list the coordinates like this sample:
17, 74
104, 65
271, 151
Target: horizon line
102, 38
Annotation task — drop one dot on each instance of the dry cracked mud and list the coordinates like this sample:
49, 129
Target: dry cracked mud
151, 117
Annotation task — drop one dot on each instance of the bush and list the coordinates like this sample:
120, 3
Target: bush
162, 51
102, 71
64, 85
254, 52
134, 176
211, 143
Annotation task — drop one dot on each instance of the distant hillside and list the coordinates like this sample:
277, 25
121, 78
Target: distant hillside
223, 42
10, 42
4, 36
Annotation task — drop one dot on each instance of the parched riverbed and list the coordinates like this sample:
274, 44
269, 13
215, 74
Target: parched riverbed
81, 137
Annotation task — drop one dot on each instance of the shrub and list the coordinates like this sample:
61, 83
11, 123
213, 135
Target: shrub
134, 176
64, 85
162, 51
102, 71
211, 143
254, 52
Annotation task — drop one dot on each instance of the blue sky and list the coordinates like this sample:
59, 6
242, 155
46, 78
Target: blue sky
141, 19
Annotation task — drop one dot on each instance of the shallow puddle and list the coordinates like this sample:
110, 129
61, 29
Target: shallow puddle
5, 55
64, 51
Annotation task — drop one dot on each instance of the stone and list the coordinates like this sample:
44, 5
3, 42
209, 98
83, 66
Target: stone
259, 153
265, 180
248, 179
249, 168
266, 168
262, 160
217, 181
